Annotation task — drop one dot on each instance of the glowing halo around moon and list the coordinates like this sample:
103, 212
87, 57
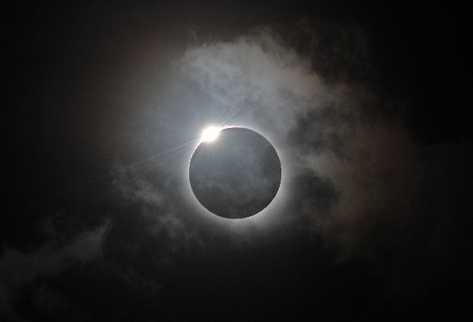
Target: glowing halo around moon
234, 172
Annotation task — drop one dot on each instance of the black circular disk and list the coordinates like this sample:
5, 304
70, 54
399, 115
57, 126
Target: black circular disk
237, 175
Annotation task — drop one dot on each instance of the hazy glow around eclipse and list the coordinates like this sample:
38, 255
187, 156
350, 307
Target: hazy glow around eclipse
210, 134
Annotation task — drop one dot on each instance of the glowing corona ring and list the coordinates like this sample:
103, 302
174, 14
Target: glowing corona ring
260, 218
232, 160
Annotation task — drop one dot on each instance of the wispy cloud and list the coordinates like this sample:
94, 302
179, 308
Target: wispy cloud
18, 268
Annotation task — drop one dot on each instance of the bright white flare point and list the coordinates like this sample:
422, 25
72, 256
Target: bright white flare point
210, 134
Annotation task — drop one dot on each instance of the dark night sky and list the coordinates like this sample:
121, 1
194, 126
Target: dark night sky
366, 104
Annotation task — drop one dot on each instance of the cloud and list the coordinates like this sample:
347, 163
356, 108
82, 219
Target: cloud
254, 75
133, 186
347, 164
362, 159
19, 268
160, 214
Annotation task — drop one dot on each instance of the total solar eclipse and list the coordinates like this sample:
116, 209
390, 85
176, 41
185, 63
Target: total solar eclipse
234, 172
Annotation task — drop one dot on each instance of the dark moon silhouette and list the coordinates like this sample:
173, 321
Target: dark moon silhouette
237, 175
